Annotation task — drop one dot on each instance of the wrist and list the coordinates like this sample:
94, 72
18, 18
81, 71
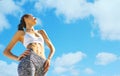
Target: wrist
49, 59
17, 59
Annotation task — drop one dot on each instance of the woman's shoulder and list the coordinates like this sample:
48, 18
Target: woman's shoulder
41, 31
20, 32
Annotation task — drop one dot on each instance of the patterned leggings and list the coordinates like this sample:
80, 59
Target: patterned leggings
31, 65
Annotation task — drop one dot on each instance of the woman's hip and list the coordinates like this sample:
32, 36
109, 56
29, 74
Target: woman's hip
34, 58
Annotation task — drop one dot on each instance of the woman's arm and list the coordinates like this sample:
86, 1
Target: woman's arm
15, 39
52, 49
48, 42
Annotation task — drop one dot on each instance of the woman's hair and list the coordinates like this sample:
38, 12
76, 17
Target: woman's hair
22, 24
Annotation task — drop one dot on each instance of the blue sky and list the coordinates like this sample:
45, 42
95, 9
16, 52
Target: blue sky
85, 34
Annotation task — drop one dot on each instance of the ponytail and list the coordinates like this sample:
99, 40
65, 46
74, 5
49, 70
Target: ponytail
22, 24
20, 27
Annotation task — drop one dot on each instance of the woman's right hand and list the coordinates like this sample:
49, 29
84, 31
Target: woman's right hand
23, 55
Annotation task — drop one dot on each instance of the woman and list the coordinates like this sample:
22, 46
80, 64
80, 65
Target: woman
33, 61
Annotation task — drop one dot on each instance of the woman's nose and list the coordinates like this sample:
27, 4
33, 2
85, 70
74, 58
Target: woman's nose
34, 18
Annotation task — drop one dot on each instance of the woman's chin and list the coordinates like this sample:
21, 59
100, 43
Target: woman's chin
34, 24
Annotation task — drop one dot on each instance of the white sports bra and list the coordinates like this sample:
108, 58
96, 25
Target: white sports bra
29, 38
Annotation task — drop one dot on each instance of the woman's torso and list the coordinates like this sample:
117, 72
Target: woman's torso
38, 48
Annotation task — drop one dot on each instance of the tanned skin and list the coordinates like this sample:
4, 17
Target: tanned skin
37, 48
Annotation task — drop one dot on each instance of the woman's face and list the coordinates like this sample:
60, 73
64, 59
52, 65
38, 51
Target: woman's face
30, 20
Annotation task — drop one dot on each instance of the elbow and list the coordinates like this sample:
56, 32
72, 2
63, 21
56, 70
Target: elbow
5, 52
53, 49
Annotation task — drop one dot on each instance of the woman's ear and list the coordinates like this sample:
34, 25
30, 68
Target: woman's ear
25, 19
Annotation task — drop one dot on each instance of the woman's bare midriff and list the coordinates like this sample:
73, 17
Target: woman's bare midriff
37, 48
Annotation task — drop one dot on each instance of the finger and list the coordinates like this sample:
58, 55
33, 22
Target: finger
26, 52
45, 64
45, 70
45, 67
23, 55
20, 57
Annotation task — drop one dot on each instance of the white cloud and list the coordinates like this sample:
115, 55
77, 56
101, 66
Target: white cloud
71, 9
21, 2
89, 71
105, 58
67, 63
4, 24
116, 75
8, 69
105, 12
40, 5
7, 7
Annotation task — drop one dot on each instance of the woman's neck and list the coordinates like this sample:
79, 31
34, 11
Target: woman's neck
30, 29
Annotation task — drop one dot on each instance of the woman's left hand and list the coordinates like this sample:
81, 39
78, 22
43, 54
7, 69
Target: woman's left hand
46, 66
